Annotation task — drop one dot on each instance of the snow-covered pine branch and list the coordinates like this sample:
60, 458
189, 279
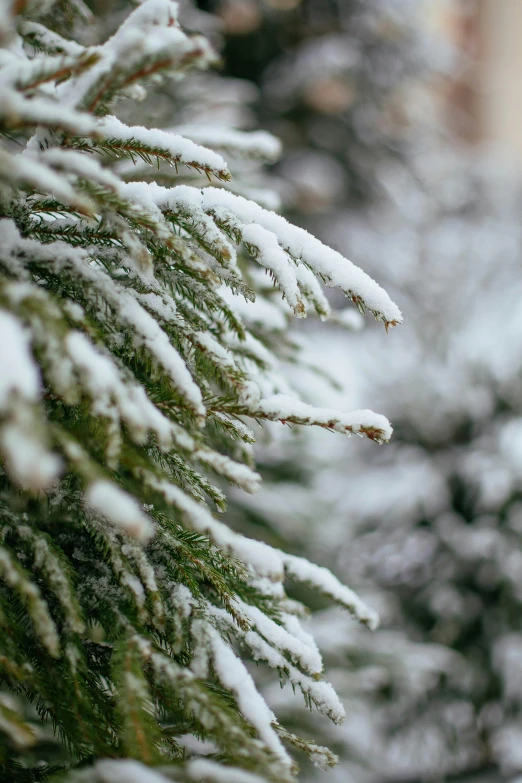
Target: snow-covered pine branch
120, 140
256, 145
130, 368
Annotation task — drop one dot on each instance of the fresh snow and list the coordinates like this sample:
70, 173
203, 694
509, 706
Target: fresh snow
233, 674
177, 147
128, 771
29, 461
303, 571
321, 693
211, 771
254, 144
281, 407
229, 209
20, 373
118, 507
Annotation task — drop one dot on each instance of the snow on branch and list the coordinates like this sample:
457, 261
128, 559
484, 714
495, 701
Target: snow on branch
23, 437
148, 144
28, 172
286, 409
256, 145
301, 246
17, 578
185, 212
61, 257
236, 472
266, 560
234, 675
264, 647
321, 757
148, 44
208, 771
120, 508
127, 771
276, 243
196, 516
307, 657
18, 111
19, 374
322, 579
48, 41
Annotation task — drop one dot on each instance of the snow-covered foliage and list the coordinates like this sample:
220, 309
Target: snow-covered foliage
129, 370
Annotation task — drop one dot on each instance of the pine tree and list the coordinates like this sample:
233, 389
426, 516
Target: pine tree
128, 376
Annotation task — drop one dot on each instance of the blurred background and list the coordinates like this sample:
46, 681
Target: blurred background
402, 129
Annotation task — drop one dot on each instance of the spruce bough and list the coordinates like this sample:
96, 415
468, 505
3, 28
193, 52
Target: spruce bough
131, 360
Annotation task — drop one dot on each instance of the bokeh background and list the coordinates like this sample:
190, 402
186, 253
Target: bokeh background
402, 129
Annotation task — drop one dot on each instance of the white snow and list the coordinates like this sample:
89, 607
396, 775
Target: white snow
197, 516
147, 331
128, 771
28, 459
49, 39
211, 771
301, 246
46, 112
38, 610
103, 379
321, 578
186, 204
150, 33
262, 312
105, 498
269, 254
281, 407
306, 656
233, 674
81, 165
26, 170
321, 693
19, 373
254, 144
177, 147
328, 263
237, 472
162, 349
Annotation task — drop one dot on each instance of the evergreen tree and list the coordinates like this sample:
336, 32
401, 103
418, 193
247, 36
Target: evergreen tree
128, 373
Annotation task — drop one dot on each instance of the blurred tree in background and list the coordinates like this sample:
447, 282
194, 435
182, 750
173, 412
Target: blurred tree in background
431, 529
334, 77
